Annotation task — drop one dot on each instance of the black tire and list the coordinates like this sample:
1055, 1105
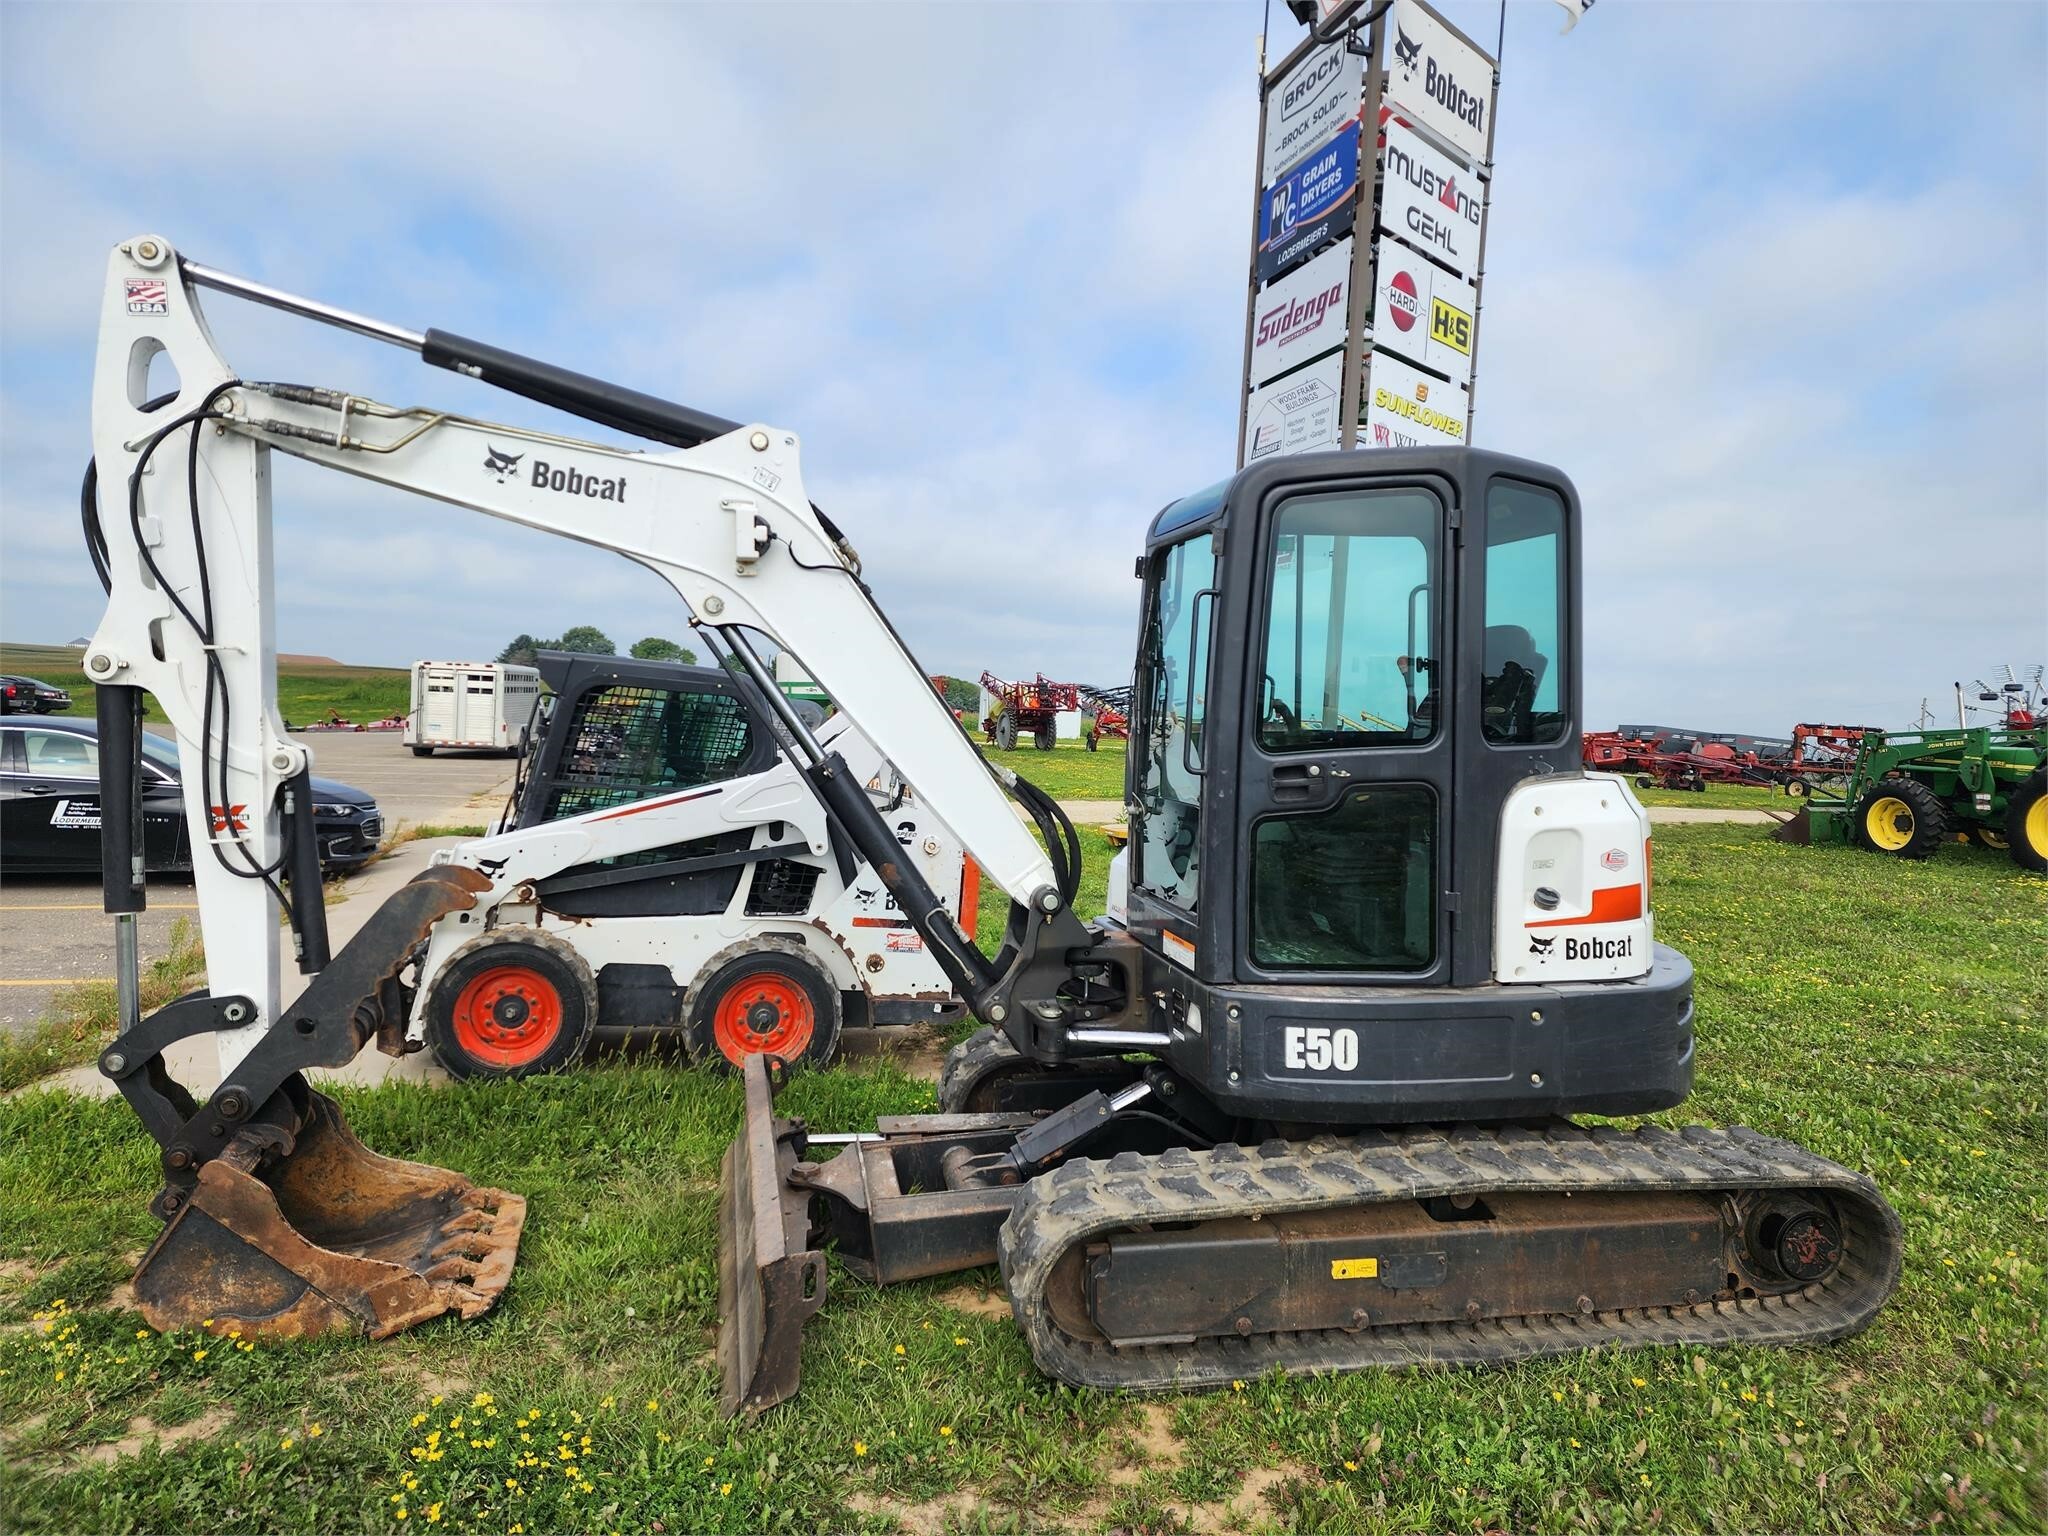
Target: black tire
1797, 789
1901, 817
763, 997
1047, 737
511, 1004
422, 751
2026, 823
1006, 732
1644, 781
1091, 741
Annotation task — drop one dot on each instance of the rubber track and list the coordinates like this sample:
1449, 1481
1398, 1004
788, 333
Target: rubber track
1087, 1198
969, 1062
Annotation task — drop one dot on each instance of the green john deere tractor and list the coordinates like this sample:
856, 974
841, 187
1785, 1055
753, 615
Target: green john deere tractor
1911, 791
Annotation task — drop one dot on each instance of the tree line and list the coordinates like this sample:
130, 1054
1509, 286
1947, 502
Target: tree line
589, 640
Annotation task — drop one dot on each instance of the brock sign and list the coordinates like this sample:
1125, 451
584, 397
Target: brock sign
1316, 98
1302, 315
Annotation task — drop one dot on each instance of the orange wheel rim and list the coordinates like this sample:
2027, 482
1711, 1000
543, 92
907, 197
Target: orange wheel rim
508, 1016
763, 1014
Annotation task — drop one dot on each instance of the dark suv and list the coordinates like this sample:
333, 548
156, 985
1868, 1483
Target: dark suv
50, 804
31, 696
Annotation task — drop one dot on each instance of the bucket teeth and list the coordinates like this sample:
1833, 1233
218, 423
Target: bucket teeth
328, 1237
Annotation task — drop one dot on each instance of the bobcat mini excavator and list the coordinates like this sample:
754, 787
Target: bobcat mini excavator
1298, 1101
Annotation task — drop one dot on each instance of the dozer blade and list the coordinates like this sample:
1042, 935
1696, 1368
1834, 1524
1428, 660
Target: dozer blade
769, 1280
1796, 829
329, 1236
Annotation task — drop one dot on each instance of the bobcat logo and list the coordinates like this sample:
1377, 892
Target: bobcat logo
1541, 946
1407, 53
501, 463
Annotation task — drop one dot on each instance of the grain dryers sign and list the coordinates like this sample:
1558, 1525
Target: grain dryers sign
1430, 200
1444, 83
1314, 202
1406, 408
1302, 315
1422, 312
1316, 98
1297, 414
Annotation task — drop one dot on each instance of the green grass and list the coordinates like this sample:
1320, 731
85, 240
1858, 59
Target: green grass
1748, 797
1892, 1016
84, 1017
305, 692
1069, 771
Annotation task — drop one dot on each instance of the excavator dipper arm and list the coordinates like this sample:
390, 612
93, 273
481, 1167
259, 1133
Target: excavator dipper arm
177, 513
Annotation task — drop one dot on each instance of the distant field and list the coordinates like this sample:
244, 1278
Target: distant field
306, 688
1069, 771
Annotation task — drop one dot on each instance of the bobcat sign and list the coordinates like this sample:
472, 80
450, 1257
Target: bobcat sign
1369, 235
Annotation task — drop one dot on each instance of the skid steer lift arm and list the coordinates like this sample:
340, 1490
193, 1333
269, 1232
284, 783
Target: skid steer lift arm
180, 529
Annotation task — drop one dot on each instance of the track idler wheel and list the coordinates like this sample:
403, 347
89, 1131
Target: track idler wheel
1793, 1240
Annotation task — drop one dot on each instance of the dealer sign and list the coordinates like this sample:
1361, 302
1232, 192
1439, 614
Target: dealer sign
1313, 203
1442, 82
1302, 315
1316, 98
1430, 200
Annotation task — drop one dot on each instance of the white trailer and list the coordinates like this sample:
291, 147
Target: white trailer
477, 705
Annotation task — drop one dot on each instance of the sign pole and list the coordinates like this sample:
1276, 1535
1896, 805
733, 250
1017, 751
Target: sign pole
1357, 330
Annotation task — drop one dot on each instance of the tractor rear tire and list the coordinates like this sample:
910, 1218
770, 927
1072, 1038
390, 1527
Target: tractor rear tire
770, 999
511, 1003
1902, 817
1047, 736
2026, 823
1006, 733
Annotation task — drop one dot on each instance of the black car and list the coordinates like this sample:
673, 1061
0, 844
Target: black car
31, 696
50, 804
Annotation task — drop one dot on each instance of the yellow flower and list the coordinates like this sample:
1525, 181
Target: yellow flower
1575, 1445
482, 1400
724, 1490
654, 1405
206, 1322
958, 1340
1645, 1477
417, 1420
607, 1402
899, 1349
1748, 1397
401, 1512
285, 1444
708, 1460
433, 1512
435, 1401
1638, 1381
142, 1333
1557, 1397
198, 1354
314, 1431
1237, 1386
1350, 1466
946, 1430
860, 1447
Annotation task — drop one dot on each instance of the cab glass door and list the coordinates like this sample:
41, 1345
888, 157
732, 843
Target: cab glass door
1346, 763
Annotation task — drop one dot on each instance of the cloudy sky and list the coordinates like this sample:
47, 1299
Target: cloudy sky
1769, 280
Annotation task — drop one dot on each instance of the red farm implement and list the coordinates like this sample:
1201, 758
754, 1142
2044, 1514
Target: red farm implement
1027, 709
1109, 711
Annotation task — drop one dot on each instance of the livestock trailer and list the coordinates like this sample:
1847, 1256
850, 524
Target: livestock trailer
471, 705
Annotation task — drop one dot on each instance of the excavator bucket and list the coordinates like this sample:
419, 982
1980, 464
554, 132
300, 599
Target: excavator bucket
331, 1237
1796, 829
769, 1280
293, 1226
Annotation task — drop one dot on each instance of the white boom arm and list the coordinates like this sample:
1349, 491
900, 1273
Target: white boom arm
727, 524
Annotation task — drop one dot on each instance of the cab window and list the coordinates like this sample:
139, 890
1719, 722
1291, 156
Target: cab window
1350, 656
1522, 683
631, 743
1173, 685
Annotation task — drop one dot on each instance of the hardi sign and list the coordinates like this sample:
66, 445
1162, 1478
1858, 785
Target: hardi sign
1423, 312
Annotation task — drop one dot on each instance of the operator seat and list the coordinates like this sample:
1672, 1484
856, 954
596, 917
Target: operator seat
1513, 672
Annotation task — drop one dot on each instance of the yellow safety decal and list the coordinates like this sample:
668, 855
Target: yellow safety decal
1354, 1269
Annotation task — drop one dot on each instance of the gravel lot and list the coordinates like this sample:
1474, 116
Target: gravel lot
52, 930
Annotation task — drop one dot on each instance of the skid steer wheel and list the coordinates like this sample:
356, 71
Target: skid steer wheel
510, 1004
2026, 823
1901, 817
769, 1000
